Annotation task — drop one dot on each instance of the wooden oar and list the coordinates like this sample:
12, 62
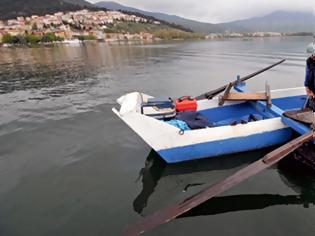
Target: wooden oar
174, 211
211, 94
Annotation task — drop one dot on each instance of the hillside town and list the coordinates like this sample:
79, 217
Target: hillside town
101, 25
73, 25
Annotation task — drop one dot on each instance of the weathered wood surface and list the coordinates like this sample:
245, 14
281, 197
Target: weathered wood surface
226, 94
246, 96
232, 96
268, 95
305, 116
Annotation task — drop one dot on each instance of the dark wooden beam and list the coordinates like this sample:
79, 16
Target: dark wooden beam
174, 211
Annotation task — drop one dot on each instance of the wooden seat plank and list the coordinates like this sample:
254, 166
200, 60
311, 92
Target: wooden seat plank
246, 96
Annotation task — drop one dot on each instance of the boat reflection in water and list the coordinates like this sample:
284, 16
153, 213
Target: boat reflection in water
150, 175
166, 184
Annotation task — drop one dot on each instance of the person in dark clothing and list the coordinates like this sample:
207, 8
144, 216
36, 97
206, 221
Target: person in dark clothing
309, 82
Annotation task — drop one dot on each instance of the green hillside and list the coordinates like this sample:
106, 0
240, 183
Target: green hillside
10, 9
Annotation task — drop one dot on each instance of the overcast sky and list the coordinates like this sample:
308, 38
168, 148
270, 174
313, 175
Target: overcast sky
215, 11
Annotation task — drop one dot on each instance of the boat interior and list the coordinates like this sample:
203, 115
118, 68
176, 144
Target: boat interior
245, 112
231, 113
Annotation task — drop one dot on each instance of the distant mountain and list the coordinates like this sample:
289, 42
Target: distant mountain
12, 8
278, 21
195, 26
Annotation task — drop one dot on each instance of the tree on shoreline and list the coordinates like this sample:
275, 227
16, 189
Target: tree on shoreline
86, 37
10, 39
30, 39
51, 37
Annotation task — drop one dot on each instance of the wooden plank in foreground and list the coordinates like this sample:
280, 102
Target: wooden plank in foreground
167, 214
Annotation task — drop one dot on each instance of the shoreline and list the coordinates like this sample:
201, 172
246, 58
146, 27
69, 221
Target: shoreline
81, 42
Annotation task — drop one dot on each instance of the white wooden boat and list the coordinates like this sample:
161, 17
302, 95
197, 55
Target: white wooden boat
176, 146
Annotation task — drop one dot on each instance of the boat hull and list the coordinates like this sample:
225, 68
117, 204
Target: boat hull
227, 146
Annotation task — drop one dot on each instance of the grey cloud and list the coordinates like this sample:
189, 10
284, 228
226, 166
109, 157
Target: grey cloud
214, 11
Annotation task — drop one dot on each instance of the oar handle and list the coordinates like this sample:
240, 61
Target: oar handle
211, 94
260, 71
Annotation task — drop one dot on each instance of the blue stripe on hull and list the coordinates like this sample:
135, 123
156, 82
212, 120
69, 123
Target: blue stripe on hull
227, 146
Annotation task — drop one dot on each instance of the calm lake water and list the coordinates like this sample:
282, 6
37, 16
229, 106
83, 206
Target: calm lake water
68, 166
